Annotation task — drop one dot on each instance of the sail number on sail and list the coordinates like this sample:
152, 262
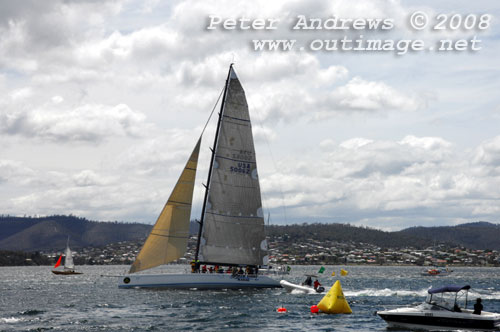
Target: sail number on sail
243, 168
243, 155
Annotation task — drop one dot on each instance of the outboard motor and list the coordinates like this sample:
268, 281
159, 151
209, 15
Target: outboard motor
320, 289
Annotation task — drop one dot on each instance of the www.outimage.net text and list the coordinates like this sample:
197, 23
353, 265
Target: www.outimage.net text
355, 29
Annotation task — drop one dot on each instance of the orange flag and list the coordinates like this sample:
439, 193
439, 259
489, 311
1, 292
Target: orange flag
58, 262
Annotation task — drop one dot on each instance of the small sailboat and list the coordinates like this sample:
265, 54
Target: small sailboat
69, 266
231, 233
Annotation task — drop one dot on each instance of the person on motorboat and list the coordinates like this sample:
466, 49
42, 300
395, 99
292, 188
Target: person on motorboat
308, 281
478, 307
316, 284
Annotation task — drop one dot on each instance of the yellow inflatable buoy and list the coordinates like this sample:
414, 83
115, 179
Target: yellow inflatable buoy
334, 301
343, 272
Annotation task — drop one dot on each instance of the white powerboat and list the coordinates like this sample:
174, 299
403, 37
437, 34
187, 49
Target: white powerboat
290, 287
444, 308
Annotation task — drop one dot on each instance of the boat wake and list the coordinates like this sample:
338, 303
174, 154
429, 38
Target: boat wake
387, 292
297, 291
10, 320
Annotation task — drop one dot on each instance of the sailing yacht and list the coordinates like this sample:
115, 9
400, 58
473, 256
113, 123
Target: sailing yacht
231, 232
69, 266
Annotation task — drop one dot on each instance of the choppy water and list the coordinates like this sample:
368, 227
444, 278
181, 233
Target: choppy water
33, 299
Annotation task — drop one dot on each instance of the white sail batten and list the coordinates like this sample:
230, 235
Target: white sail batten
169, 237
233, 227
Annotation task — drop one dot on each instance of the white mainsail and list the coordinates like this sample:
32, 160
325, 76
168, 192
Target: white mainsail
169, 237
233, 222
68, 261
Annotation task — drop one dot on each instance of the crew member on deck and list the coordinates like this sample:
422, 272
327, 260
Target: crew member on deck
478, 307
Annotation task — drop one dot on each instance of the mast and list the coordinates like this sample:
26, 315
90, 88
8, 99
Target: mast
207, 186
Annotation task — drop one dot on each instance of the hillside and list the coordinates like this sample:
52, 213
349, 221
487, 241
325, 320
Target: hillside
345, 233
31, 234
46, 233
477, 235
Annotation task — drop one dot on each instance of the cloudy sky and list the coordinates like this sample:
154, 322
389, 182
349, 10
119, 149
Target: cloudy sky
101, 103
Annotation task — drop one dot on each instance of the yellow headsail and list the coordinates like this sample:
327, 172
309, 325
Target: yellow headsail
169, 236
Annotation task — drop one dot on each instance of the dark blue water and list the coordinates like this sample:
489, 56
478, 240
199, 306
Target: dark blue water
33, 299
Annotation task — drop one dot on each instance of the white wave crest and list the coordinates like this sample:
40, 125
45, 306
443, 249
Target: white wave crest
10, 320
485, 294
386, 292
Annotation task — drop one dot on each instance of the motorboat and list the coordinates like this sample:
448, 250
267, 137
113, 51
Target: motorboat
444, 308
437, 272
275, 270
291, 287
306, 287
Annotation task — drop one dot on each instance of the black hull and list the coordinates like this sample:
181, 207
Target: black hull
65, 273
448, 322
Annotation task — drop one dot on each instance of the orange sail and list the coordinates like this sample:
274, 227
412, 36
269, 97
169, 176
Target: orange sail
58, 262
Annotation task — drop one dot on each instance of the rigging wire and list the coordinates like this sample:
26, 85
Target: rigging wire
200, 188
213, 109
275, 168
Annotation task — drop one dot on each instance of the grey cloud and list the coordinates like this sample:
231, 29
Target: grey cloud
37, 34
488, 153
86, 123
364, 180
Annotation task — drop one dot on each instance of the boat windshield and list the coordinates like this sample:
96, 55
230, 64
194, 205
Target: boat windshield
453, 301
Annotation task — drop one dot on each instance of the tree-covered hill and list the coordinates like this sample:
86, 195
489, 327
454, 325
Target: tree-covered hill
44, 233
476, 235
345, 233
